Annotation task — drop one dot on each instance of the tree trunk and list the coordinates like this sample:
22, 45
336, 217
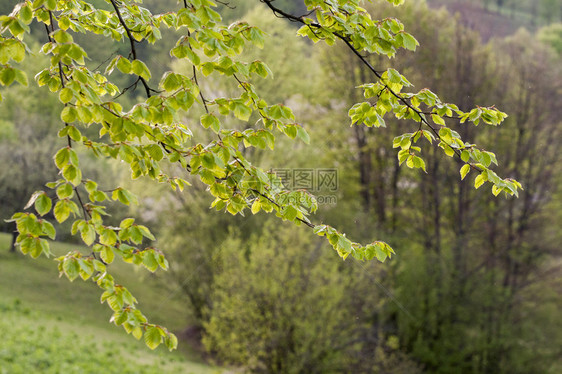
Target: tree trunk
365, 166
13, 244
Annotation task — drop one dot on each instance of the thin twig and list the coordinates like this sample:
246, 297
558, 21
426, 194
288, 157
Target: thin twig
132, 43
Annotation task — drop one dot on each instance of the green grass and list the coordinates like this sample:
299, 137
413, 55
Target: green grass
51, 325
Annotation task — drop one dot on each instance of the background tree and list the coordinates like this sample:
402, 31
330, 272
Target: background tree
552, 36
27, 138
464, 280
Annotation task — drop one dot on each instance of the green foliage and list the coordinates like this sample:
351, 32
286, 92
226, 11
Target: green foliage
461, 275
552, 36
295, 298
150, 134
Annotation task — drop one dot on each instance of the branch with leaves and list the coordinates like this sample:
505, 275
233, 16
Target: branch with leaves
154, 132
354, 27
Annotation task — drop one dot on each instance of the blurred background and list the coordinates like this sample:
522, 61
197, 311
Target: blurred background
475, 286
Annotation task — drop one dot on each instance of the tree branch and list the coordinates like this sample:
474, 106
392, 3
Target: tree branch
132, 43
300, 19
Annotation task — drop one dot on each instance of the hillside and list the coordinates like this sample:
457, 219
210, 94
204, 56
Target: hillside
490, 23
50, 325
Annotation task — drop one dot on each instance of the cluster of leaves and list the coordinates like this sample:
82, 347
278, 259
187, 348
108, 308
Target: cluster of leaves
343, 21
153, 133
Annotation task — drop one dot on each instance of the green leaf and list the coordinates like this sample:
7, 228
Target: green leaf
192, 56
77, 225
137, 332
62, 157
69, 114
171, 82
210, 120
132, 234
119, 317
62, 210
39, 245
17, 27
66, 95
303, 135
146, 232
43, 204
124, 65
409, 41
394, 76
86, 268
261, 69
155, 152
437, 119
162, 261
74, 133
410, 161
21, 77
256, 206
464, 171
115, 302
88, 234
149, 261
108, 237
51, 4
71, 268
256, 36
90, 186
419, 163
107, 254
479, 181
139, 68
152, 337
65, 190
48, 229
448, 150
124, 196
291, 131
26, 14
207, 68
7, 76
171, 342
380, 253
126, 223
72, 174
242, 111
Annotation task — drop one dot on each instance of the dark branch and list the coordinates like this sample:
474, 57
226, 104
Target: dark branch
300, 19
132, 41
62, 82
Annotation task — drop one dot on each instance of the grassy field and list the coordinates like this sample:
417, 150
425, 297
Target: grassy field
50, 325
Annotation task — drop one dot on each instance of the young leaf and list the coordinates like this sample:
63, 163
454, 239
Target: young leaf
464, 171
62, 210
152, 337
43, 204
107, 254
88, 234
